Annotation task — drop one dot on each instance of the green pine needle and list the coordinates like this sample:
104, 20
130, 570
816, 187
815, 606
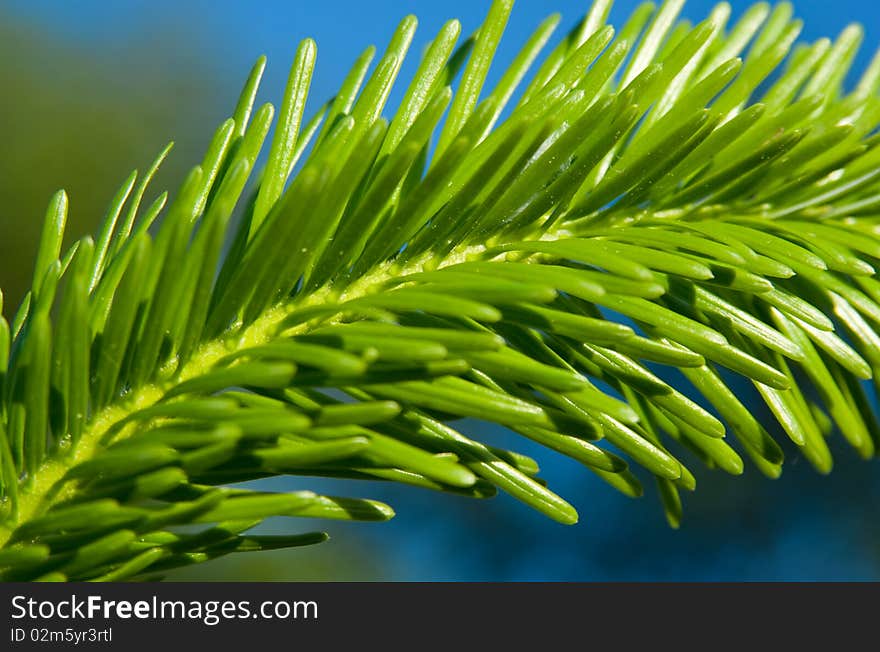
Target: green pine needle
700, 198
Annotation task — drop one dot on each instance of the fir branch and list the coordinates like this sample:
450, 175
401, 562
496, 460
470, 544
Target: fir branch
698, 198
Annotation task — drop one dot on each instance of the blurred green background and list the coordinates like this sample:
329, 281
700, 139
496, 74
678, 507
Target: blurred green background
94, 89
71, 119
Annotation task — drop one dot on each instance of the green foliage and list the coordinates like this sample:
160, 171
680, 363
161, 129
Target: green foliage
652, 201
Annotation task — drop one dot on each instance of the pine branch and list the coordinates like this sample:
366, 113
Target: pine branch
651, 202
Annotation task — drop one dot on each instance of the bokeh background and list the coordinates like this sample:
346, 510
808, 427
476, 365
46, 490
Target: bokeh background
94, 88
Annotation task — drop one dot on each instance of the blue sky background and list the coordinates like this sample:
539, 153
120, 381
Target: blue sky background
226, 36
799, 527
